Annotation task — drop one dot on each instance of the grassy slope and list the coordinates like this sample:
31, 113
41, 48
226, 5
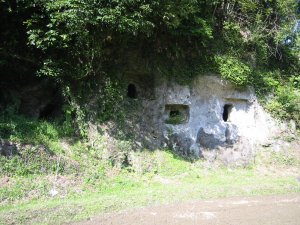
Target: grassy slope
87, 184
175, 180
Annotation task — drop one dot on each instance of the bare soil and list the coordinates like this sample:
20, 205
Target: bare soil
275, 210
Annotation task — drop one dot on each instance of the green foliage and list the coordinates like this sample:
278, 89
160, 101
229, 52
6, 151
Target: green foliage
25, 187
78, 43
111, 101
86, 31
32, 160
177, 119
82, 43
265, 81
18, 128
232, 69
286, 104
35, 146
283, 99
295, 82
156, 177
232, 35
285, 159
68, 124
280, 158
75, 112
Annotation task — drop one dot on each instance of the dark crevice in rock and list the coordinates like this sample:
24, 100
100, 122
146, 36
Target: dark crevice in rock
131, 91
226, 112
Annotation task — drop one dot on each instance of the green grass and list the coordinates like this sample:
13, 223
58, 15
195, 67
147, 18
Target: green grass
174, 180
89, 204
91, 179
177, 119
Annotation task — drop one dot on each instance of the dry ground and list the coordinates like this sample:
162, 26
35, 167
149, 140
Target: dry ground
275, 210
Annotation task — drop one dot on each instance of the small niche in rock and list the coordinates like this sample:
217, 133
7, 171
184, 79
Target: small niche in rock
226, 112
176, 114
131, 91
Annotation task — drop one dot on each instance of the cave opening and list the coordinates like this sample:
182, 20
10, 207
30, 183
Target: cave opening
226, 112
131, 91
176, 114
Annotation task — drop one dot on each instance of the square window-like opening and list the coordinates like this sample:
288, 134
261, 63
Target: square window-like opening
176, 114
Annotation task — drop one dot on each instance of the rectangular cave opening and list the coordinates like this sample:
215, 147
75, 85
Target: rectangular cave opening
131, 91
226, 112
176, 113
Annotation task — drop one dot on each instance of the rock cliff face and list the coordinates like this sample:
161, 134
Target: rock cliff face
205, 118
219, 115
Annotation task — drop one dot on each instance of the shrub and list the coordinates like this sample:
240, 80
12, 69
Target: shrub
233, 69
286, 104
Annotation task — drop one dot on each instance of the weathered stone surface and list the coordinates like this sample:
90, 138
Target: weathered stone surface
208, 140
7, 148
228, 134
206, 128
180, 143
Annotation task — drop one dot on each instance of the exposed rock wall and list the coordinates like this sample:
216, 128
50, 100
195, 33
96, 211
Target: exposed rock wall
209, 99
199, 119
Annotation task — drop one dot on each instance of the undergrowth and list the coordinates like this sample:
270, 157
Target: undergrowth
149, 178
49, 166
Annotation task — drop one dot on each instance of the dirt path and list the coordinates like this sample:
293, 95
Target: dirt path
275, 210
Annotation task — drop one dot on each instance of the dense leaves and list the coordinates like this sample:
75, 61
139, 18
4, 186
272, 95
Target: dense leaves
72, 40
90, 33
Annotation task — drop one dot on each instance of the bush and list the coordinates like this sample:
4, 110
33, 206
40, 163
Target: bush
233, 69
31, 160
286, 104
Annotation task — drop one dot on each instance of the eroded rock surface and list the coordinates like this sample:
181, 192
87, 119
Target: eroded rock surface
209, 115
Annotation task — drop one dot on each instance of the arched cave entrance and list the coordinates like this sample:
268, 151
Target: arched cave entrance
131, 91
226, 111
